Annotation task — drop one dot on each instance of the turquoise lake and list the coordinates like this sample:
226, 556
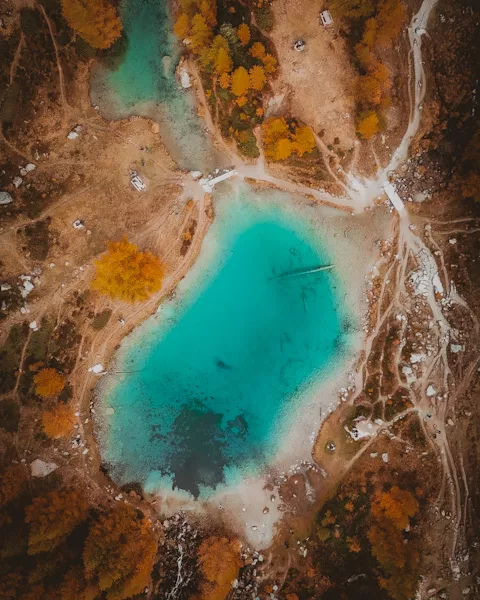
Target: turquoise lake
203, 391
212, 377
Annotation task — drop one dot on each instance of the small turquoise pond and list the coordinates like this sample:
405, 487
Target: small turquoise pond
204, 386
141, 80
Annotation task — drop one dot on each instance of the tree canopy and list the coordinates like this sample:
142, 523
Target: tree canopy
96, 21
120, 552
220, 561
52, 517
48, 383
126, 273
281, 140
58, 421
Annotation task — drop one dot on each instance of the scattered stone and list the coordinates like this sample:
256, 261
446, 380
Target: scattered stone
78, 224
4, 287
26, 286
39, 468
17, 181
73, 135
266, 510
5, 198
456, 348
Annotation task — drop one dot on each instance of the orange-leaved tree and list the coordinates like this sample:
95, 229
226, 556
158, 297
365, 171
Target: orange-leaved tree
74, 586
182, 26
220, 561
126, 273
240, 81
367, 125
119, 552
96, 21
397, 505
48, 383
58, 421
243, 32
257, 50
52, 517
258, 79
397, 557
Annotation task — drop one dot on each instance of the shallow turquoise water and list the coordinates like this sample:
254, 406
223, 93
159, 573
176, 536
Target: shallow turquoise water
143, 82
217, 372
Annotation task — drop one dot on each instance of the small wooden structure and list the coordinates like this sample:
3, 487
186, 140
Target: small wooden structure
326, 18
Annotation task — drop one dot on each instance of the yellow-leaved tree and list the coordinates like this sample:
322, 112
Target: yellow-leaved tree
303, 140
48, 383
58, 421
223, 62
125, 273
201, 34
96, 21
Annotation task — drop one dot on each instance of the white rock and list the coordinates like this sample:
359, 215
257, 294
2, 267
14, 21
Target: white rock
185, 79
39, 468
30, 167
5, 287
97, 369
456, 348
33, 325
416, 358
452, 241
431, 391
17, 181
73, 135
5, 198
385, 457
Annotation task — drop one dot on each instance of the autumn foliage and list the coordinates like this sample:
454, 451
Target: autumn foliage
12, 479
282, 139
235, 63
48, 383
52, 518
119, 552
96, 21
126, 273
220, 561
380, 24
397, 558
58, 421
